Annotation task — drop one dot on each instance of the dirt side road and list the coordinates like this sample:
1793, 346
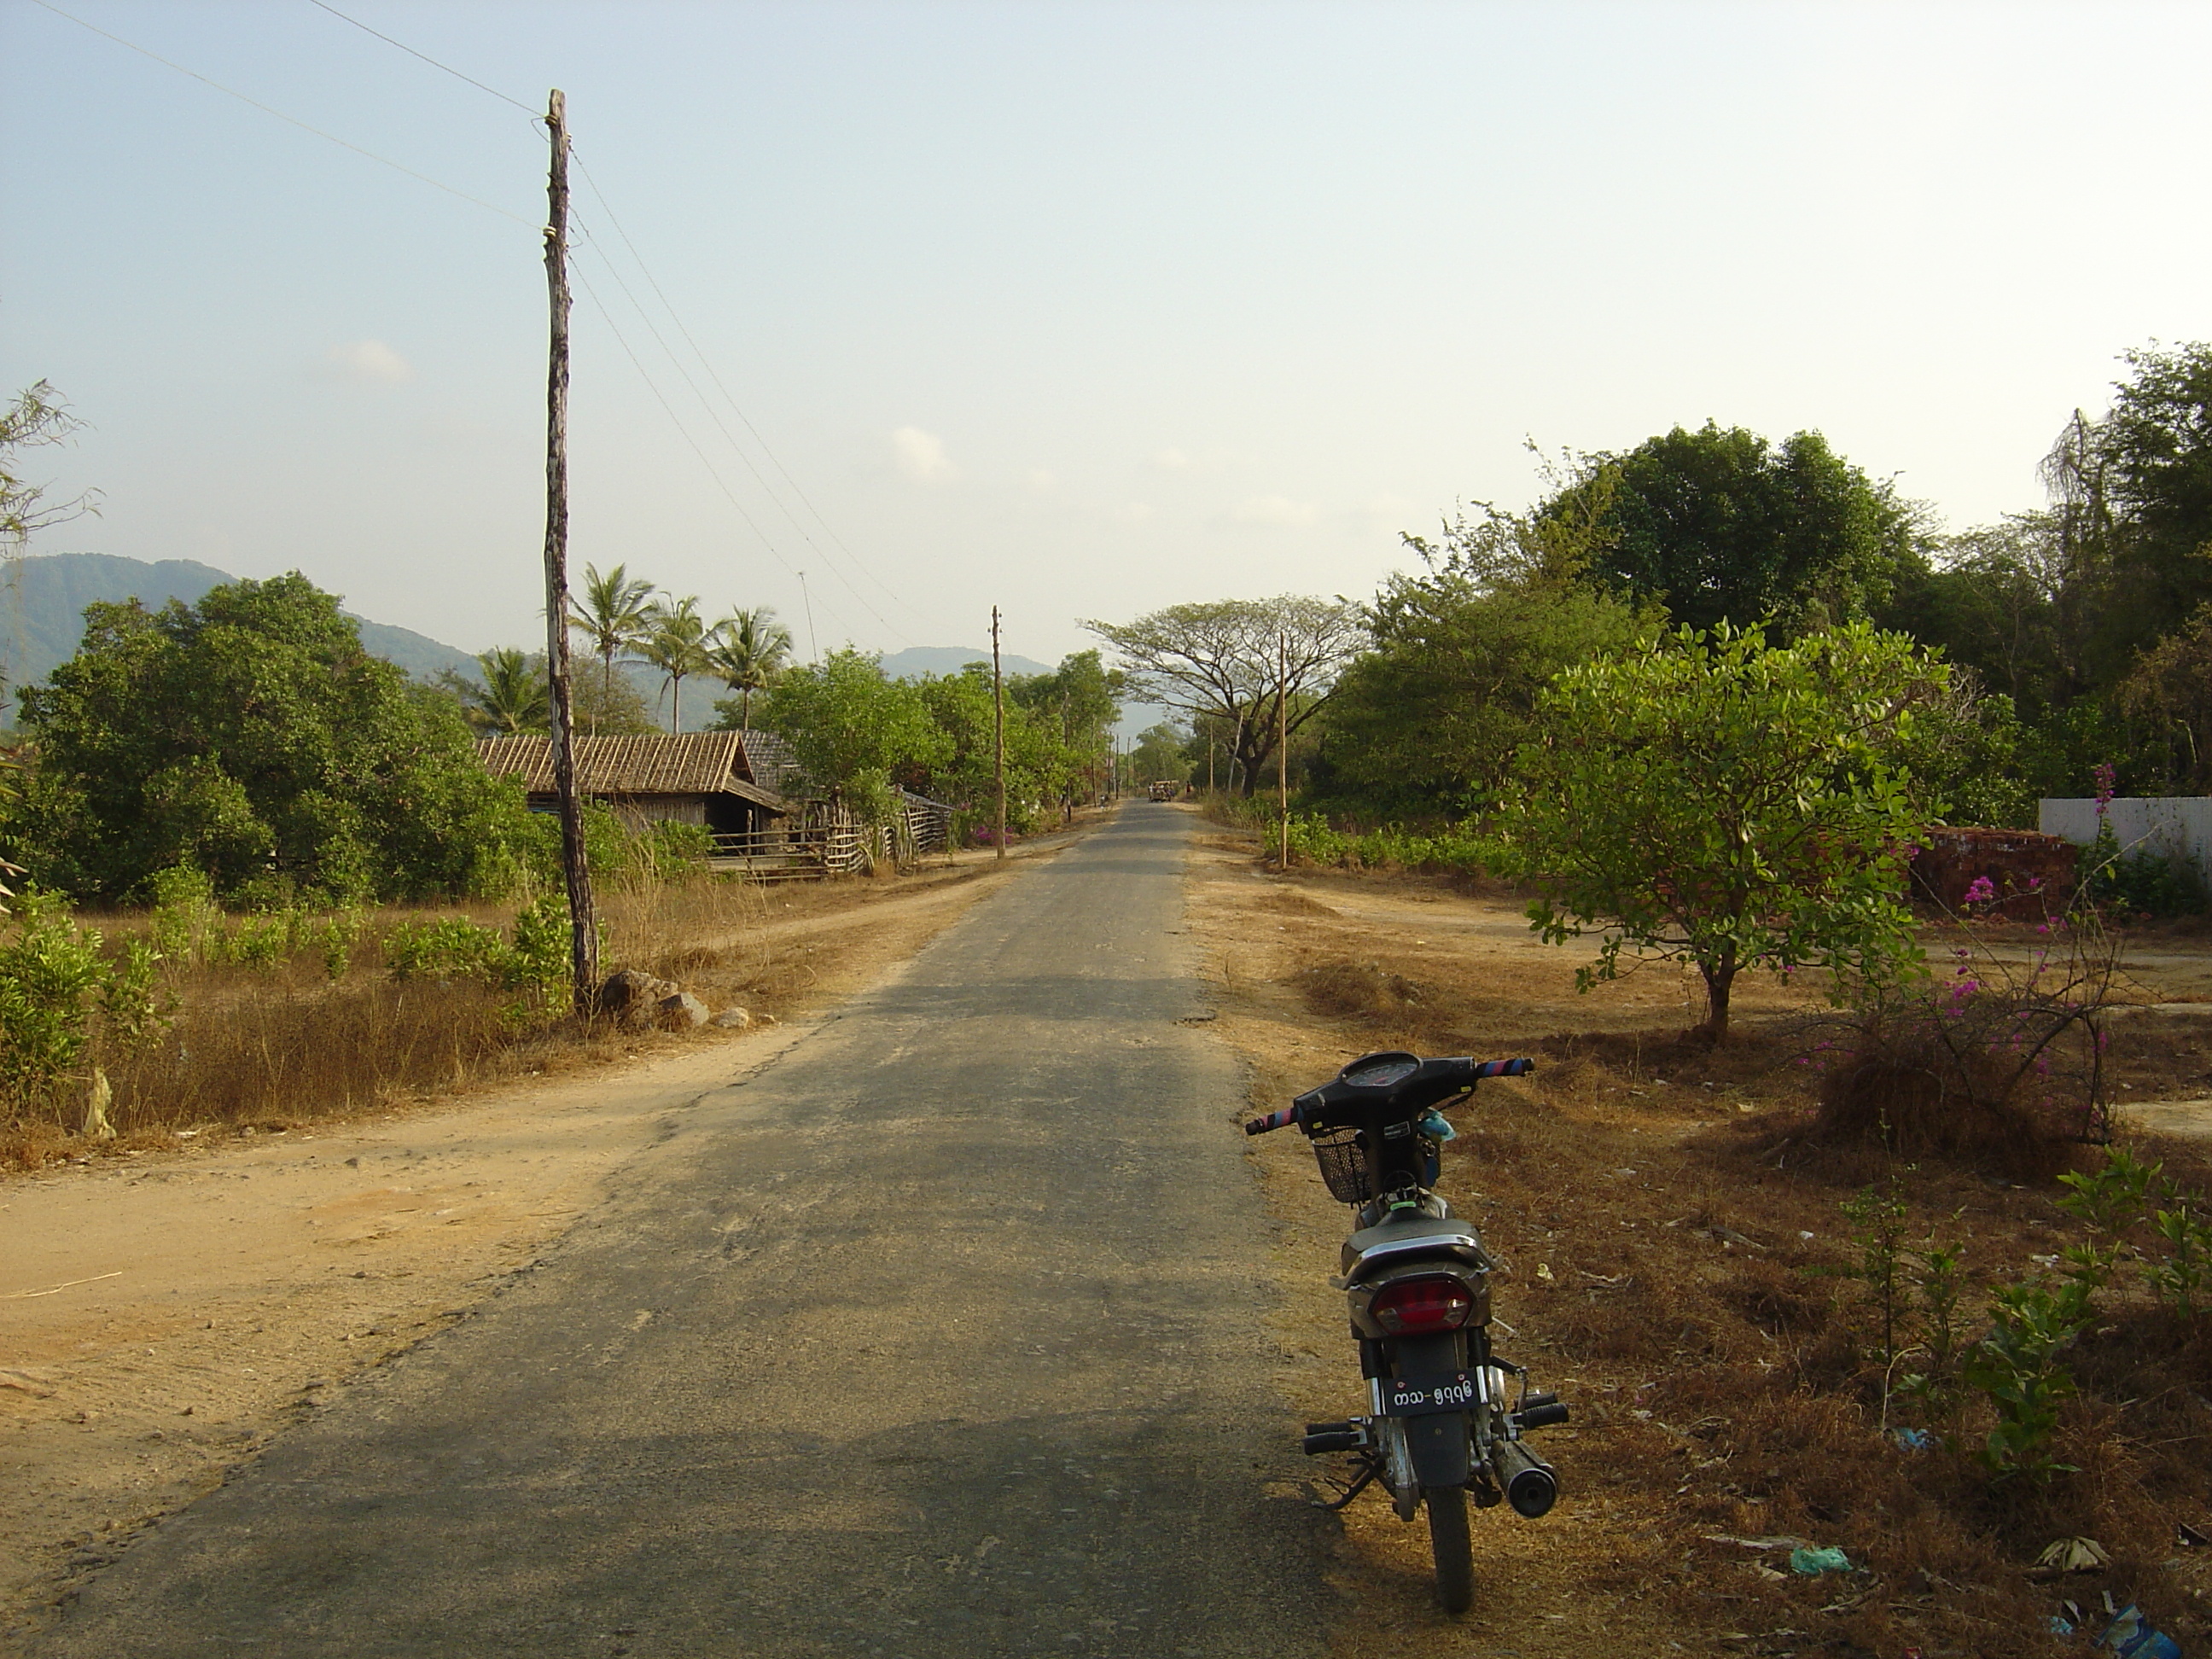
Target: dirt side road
946, 1334
162, 1314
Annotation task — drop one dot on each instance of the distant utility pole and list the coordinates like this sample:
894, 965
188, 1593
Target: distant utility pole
1283, 739
583, 924
998, 734
807, 600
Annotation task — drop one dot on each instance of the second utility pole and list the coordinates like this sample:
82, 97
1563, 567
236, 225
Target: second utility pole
999, 728
1283, 739
583, 924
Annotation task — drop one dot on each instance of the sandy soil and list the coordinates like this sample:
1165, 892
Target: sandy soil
1613, 1197
163, 1313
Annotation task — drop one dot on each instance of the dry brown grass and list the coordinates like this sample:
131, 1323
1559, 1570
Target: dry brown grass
286, 1044
1680, 1267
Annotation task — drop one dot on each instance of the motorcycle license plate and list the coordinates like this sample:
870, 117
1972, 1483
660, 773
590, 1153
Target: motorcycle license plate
1418, 1396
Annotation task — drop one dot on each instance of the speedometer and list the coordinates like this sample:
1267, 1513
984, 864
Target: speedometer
1381, 1071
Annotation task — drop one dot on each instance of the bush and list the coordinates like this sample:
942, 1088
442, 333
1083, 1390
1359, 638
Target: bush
252, 737
64, 1004
534, 962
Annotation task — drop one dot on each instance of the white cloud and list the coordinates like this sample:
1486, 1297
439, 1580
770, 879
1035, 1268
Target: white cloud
1279, 510
921, 455
371, 360
1388, 507
1133, 512
1173, 460
1043, 480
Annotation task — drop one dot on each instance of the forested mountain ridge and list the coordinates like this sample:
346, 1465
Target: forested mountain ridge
42, 601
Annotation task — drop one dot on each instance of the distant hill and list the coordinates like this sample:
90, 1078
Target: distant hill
42, 602
915, 661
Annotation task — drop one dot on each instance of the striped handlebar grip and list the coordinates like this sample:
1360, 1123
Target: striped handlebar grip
1503, 1067
1284, 1119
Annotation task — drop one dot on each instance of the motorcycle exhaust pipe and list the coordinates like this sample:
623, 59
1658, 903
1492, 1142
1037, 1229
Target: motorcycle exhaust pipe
1529, 1484
1342, 1436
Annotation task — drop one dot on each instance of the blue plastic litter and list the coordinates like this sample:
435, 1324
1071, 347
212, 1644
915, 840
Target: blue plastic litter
1810, 1562
1913, 1439
2130, 1636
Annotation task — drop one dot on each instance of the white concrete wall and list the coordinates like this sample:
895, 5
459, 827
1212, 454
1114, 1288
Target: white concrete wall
2168, 823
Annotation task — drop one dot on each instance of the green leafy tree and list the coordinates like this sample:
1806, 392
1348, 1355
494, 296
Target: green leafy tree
1160, 755
615, 615
1254, 664
1739, 806
1082, 699
852, 729
1719, 524
2133, 494
1428, 718
679, 643
251, 736
750, 649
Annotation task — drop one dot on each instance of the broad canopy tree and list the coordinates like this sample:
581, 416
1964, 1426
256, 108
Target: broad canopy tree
1255, 665
1429, 717
252, 736
1735, 805
1720, 525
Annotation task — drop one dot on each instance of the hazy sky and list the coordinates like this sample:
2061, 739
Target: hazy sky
1079, 309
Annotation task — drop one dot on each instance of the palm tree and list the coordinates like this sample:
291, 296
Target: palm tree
752, 651
513, 696
678, 641
614, 617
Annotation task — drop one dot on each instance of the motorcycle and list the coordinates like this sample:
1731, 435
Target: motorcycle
1446, 1413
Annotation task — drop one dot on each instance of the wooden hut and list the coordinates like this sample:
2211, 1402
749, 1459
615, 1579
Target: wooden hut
703, 778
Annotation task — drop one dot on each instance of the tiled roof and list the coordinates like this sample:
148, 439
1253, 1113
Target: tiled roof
695, 764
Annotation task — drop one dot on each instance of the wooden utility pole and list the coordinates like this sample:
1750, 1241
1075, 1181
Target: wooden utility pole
998, 731
1283, 740
583, 924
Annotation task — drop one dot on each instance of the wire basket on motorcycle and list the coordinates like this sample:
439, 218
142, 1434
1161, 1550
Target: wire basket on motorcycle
1343, 1162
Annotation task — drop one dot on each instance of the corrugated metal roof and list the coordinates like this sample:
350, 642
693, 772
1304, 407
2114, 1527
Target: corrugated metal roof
695, 764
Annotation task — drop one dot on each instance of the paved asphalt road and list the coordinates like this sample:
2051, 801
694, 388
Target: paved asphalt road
942, 1335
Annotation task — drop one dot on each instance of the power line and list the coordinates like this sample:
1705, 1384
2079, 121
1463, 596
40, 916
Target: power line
292, 120
707, 363
676, 420
682, 328
526, 108
712, 414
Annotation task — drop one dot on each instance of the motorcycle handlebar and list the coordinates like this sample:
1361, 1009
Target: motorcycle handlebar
1502, 1067
1474, 1071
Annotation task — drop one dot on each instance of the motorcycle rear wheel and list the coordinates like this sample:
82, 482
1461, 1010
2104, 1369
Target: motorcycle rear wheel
1451, 1546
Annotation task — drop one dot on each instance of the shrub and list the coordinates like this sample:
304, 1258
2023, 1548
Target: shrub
535, 961
62, 1002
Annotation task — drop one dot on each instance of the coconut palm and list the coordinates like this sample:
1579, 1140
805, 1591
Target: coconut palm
677, 640
751, 650
513, 696
614, 617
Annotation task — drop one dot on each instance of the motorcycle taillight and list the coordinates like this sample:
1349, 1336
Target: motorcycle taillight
1418, 1306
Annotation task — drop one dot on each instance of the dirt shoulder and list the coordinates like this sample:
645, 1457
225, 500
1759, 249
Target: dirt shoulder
1677, 1267
164, 1313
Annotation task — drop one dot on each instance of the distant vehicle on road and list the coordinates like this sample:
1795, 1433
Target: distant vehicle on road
1165, 789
